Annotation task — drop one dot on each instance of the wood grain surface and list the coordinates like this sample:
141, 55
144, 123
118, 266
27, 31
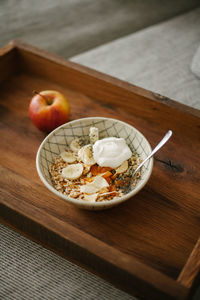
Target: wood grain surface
190, 274
146, 240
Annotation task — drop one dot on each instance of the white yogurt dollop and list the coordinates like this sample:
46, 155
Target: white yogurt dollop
111, 152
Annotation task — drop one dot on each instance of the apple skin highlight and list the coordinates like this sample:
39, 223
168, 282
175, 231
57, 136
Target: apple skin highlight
48, 110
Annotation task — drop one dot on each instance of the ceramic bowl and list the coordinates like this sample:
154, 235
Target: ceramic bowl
60, 138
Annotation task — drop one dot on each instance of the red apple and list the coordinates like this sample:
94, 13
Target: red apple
48, 110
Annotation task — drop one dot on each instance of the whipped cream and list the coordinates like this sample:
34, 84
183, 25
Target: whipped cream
111, 152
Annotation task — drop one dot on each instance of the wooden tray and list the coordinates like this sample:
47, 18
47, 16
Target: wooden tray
145, 246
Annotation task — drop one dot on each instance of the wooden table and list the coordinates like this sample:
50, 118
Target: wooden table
147, 246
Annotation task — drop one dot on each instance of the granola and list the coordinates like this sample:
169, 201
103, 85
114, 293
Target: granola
75, 173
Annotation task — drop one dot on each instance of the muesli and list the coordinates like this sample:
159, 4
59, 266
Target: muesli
98, 171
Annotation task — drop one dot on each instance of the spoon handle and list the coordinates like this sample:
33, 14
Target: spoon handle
160, 144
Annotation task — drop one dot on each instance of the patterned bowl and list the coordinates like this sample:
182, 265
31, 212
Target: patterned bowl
61, 137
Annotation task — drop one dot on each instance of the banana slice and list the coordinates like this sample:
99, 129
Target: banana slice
68, 157
95, 186
88, 189
94, 134
122, 168
86, 155
91, 198
72, 171
76, 144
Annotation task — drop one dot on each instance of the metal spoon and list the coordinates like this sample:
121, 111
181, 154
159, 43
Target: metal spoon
160, 144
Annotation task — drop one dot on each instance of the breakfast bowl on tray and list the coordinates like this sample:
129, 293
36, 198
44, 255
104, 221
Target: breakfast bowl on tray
90, 162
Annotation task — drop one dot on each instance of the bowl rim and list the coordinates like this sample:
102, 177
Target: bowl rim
80, 202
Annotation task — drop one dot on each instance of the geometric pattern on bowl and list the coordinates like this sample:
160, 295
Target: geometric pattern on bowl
58, 140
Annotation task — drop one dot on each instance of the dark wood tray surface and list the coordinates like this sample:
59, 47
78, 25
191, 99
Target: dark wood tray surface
143, 245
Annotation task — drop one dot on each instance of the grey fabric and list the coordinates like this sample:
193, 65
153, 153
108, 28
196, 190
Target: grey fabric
29, 271
195, 66
157, 58
69, 27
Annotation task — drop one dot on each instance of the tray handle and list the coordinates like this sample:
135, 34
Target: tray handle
190, 274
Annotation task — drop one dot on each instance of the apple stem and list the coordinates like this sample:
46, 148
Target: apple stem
46, 99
